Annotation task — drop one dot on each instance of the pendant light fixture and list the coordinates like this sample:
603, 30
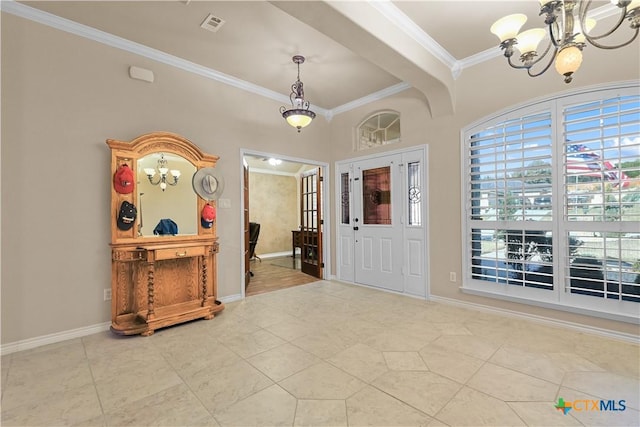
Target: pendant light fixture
298, 115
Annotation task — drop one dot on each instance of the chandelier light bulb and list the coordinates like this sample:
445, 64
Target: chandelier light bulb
568, 61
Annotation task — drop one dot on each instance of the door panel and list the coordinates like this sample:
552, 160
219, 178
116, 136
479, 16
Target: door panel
377, 223
345, 223
311, 227
415, 247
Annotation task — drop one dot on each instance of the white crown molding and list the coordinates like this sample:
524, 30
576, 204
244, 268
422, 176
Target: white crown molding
386, 7
391, 90
478, 58
105, 38
403, 22
54, 21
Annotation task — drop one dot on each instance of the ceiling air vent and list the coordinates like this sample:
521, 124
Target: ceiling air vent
212, 23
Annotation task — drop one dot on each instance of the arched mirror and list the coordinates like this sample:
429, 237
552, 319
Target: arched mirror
161, 202
165, 193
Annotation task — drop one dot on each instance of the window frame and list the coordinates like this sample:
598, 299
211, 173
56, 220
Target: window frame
360, 146
559, 297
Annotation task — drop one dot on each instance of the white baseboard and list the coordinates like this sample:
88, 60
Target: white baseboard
277, 254
53, 338
30, 343
231, 298
634, 339
93, 329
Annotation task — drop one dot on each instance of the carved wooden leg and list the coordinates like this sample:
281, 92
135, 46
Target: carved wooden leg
150, 274
205, 276
203, 260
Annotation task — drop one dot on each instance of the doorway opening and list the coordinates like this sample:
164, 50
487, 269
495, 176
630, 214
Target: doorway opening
283, 196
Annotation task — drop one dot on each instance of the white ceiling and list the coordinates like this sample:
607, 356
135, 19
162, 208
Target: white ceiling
354, 49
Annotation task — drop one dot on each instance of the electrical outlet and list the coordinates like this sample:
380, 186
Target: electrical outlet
107, 294
452, 276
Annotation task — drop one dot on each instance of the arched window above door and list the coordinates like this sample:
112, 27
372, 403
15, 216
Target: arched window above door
381, 128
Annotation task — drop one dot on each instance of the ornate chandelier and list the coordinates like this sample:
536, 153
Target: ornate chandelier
568, 29
299, 114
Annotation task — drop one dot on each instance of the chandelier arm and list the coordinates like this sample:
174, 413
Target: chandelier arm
546, 67
601, 46
584, 9
531, 63
516, 66
154, 183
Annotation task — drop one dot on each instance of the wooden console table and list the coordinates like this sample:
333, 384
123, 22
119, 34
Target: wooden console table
163, 284
161, 280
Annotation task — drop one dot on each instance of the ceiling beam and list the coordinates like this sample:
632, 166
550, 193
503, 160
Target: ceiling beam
365, 30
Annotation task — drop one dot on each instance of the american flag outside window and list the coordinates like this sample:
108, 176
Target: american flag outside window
581, 160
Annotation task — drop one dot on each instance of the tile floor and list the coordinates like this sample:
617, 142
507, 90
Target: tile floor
327, 354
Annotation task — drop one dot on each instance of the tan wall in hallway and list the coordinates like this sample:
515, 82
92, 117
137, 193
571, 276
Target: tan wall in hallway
273, 202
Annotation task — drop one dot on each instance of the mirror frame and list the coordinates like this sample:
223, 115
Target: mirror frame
129, 152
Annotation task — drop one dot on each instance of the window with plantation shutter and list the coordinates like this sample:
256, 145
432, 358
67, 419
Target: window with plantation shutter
551, 200
601, 164
511, 196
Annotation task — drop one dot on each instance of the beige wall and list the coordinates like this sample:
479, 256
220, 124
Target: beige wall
480, 91
273, 203
63, 96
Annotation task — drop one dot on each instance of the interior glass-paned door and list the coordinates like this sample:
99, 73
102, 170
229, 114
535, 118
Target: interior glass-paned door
311, 223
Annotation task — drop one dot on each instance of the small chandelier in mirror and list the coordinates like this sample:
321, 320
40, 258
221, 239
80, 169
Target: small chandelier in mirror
299, 114
165, 176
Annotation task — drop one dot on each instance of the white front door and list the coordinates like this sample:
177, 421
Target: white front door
377, 223
382, 222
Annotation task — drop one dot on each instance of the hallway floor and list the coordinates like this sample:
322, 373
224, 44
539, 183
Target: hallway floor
328, 354
272, 274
